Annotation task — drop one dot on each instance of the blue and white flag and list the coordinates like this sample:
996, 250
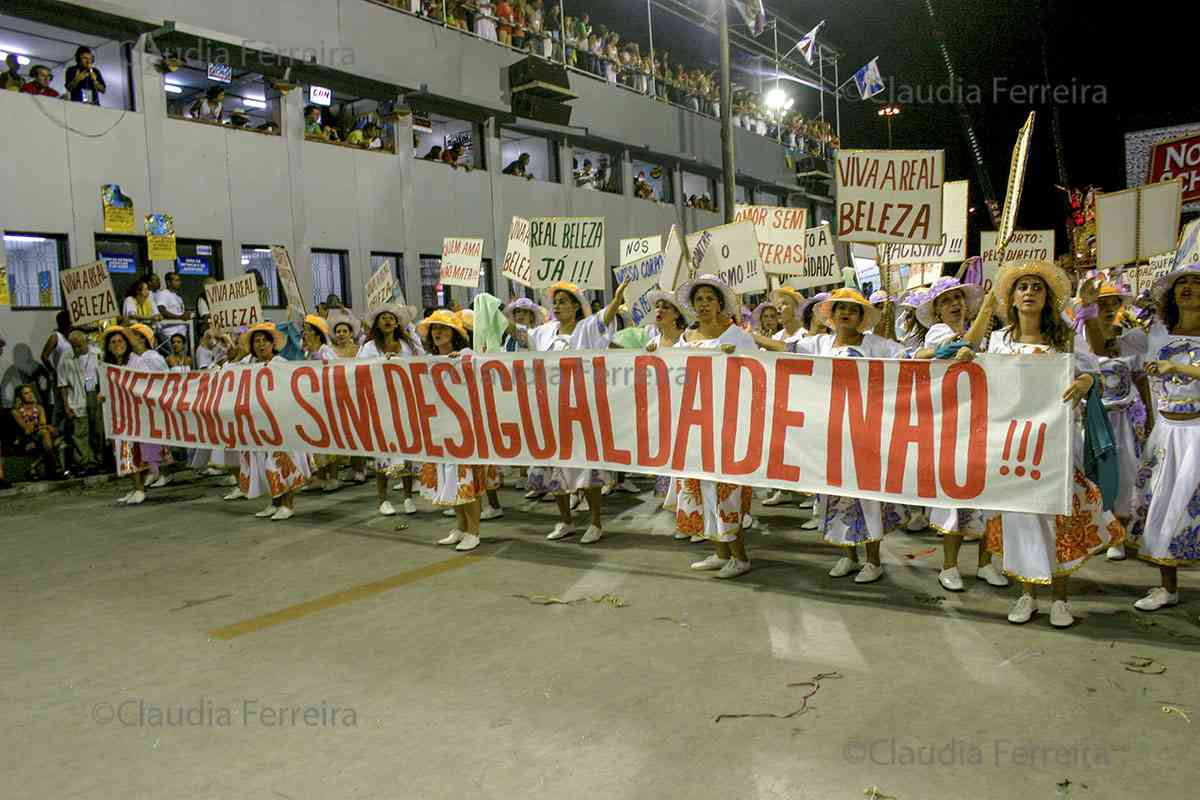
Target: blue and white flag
868, 79
808, 44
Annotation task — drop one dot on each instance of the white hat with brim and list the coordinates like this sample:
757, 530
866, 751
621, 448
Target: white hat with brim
653, 297
340, 316
1167, 282
403, 315
972, 295
1055, 279
870, 315
571, 289
816, 298
525, 304
756, 314
276, 335
683, 295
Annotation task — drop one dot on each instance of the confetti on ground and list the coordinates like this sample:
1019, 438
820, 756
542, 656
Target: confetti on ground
1144, 666
814, 684
610, 600
1172, 708
914, 554
875, 793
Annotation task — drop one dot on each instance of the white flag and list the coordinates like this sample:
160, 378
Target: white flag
808, 45
868, 79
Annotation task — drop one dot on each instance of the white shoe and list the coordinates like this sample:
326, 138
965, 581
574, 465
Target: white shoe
136, 498
469, 542
696, 540
455, 537
561, 531
283, 513
533, 495
681, 536
810, 524
584, 505
747, 522
592, 534
332, 486
1157, 598
869, 573
628, 486
449, 512
230, 480
714, 561
1023, 610
993, 576
387, 509
162, 481
269, 511
951, 580
125, 499
574, 503
733, 568
844, 567
1060, 614
236, 494
212, 472
918, 522
360, 477
1116, 553
776, 499
806, 502
491, 513
606, 490
409, 506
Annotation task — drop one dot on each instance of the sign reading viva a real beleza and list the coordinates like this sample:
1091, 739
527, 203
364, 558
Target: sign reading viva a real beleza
892, 196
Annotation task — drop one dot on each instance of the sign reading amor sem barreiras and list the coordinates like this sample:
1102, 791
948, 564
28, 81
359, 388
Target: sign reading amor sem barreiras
730, 252
516, 253
890, 196
781, 236
381, 285
234, 303
460, 261
567, 249
88, 293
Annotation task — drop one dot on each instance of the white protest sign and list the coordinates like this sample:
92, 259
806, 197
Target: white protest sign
637, 249
1188, 251
952, 247
1161, 265
820, 260
780, 232
460, 261
1022, 246
1137, 224
731, 253
516, 253
234, 303
88, 293
674, 271
644, 277
567, 249
381, 285
890, 196
287, 278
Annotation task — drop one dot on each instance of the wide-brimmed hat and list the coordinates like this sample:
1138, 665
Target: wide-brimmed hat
972, 294
878, 296
145, 331
110, 330
756, 314
870, 315
571, 289
340, 316
1167, 282
266, 327
525, 304
1114, 290
790, 293
442, 317
320, 324
816, 298
686, 312
467, 317
403, 315
683, 295
1055, 278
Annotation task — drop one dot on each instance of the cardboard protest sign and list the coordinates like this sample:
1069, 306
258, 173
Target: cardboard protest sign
381, 285
890, 196
567, 249
1016, 181
234, 303
953, 245
160, 237
287, 278
644, 277
460, 261
1188, 250
731, 253
821, 266
88, 293
637, 249
1022, 246
781, 236
516, 253
1137, 224
117, 209
675, 263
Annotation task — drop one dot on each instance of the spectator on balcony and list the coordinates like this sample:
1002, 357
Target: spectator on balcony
170, 308
583, 33
314, 127
453, 154
519, 23
238, 118
84, 82
138, 305
586, 178
210, 107
12, 80
504, 15
519, 167
40, 83
554, 28
596, 48
485, 20
434, 154
366, 137
612, 57
641, 188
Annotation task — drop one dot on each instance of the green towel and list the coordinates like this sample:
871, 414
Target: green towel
849, 277
632, 338
490, 322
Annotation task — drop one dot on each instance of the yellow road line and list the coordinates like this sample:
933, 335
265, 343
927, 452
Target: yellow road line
339, 598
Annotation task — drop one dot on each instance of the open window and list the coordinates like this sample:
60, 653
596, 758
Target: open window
699, 191
331, 277
436, 136
652, 181
37, 44
598, 170
257, 258
529, 155
34, 262
221, 94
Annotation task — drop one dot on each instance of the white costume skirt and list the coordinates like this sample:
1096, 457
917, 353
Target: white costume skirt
275, 473
964, 522
564, 480
1166, 501
396, 467
711, 509
849, 521
1129, 457
671, 498
455, 484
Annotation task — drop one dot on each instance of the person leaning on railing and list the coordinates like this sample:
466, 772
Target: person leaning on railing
40, 82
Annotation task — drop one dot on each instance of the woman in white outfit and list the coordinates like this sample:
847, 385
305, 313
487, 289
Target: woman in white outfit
670, 323
485, 20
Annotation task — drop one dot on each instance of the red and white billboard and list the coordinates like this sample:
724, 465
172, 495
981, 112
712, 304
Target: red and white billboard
1177, 158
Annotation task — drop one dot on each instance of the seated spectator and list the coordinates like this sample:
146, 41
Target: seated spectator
210, 107
238, 118
12, 79
453, 155
79, 392
35, 437
40, 83
179, 359
434, 154
138, 305
169, 304
84, 82
519, 167
367, 137
641, 188
314, 127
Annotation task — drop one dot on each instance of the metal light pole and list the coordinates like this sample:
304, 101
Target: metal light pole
727, 166
887, 112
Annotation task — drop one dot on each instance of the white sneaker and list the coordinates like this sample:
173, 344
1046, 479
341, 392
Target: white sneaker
125, 499
236, 494
269, 511
869, 573
409, 506
696, 540
1023, 610
360, 477
844, 567
681, 536
733, 568
775, 499
229, 480
387, 509
747, 522
561, 531
455, 537
449, 512
162, 481
628, 486
1060, 614
951, 580
283, 513
533, 494
212, 472
993, 576
1116, 553
806, 501
469, 542
606, 490
332, 486
917, 522
136, 498
714, 561
574, 502
583, 504
592, 534
1157, 598
810, 524
491, 513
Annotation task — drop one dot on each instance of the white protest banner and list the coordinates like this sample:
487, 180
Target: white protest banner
516, 253
675, 263
890, 196
287, 278
1016, 180
88, 293
567, 249
821, 266
234, 303
1022, 246
731, 253
1188, 250
381, 285
780, 233
643, 276
952, 247
982, 434
460, 261
637, 249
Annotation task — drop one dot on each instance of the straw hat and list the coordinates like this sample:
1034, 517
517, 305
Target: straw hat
972, 294
686, 312
110, 330
683, 295
790, 293
1167, 282
320, 324
340, 316
525, 304
870, 315
267, 327
1055, 278
571, 289
403, 315
467, 316
145, 331
442, 317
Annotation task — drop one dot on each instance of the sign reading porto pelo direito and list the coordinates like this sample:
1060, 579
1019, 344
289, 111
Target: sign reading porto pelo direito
890, 196
943, 433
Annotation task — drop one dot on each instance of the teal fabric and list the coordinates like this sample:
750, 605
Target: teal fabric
1099, 448
632, 338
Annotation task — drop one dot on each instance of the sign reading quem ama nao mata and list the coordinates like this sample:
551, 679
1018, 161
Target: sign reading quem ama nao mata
939, 433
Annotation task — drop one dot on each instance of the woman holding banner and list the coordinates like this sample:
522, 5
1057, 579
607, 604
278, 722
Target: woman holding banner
712, 508
1166, 503
118, 350
1042, 549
